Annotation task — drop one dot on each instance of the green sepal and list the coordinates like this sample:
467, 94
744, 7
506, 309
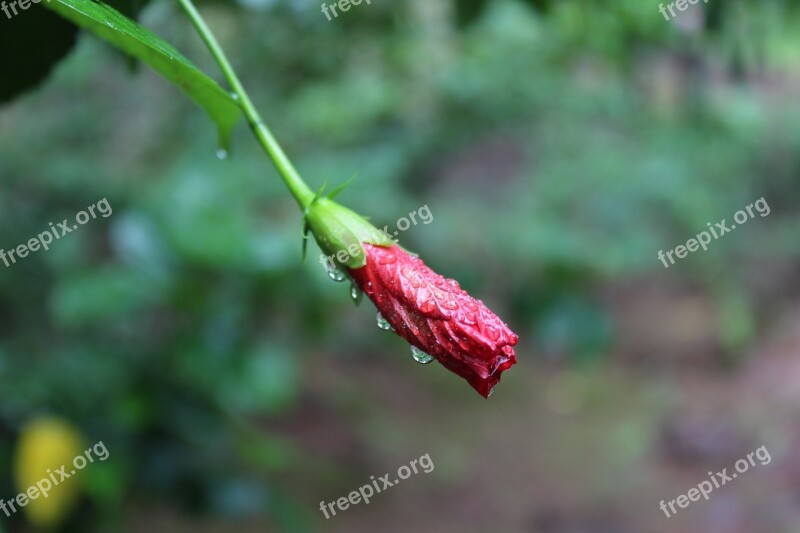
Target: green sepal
340, 232
335, 192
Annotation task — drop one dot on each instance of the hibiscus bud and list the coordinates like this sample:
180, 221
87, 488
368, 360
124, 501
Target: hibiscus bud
432, 313
341, 232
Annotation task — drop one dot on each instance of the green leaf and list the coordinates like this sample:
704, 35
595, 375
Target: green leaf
34, 57
125, 34
27, 57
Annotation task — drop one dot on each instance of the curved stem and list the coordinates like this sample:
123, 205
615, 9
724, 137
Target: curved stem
301, 192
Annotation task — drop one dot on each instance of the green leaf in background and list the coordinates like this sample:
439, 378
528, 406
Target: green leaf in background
34, 57
27, 58
139, 42
468, 11
103, 294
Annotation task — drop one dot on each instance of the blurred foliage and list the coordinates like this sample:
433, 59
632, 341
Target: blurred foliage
589, 134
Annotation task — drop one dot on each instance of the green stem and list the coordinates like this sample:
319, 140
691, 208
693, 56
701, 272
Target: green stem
301, 192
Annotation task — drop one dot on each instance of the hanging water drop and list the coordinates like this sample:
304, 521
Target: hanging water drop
235, 96
222, 154
490, 393
383, 323
420, 356
336, 275
355, 294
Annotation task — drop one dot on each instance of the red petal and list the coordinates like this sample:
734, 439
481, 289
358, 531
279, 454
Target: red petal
437, 316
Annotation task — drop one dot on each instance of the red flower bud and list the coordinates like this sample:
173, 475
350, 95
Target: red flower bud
432, 313
435, 315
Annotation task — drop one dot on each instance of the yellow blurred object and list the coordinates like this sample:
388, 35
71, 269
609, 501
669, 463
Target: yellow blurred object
47, 443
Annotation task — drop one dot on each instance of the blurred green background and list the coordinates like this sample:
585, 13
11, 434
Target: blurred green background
559, 146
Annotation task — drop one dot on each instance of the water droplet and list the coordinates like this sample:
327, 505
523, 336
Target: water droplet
235, 96
387, 259
490, 393
222, 154
420, 356
453, 284
439, 294
427, 306
383, 323
450, 304
508, 350
336, 275
439, 282
469, 318
471, 305
492, 332
356, 294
